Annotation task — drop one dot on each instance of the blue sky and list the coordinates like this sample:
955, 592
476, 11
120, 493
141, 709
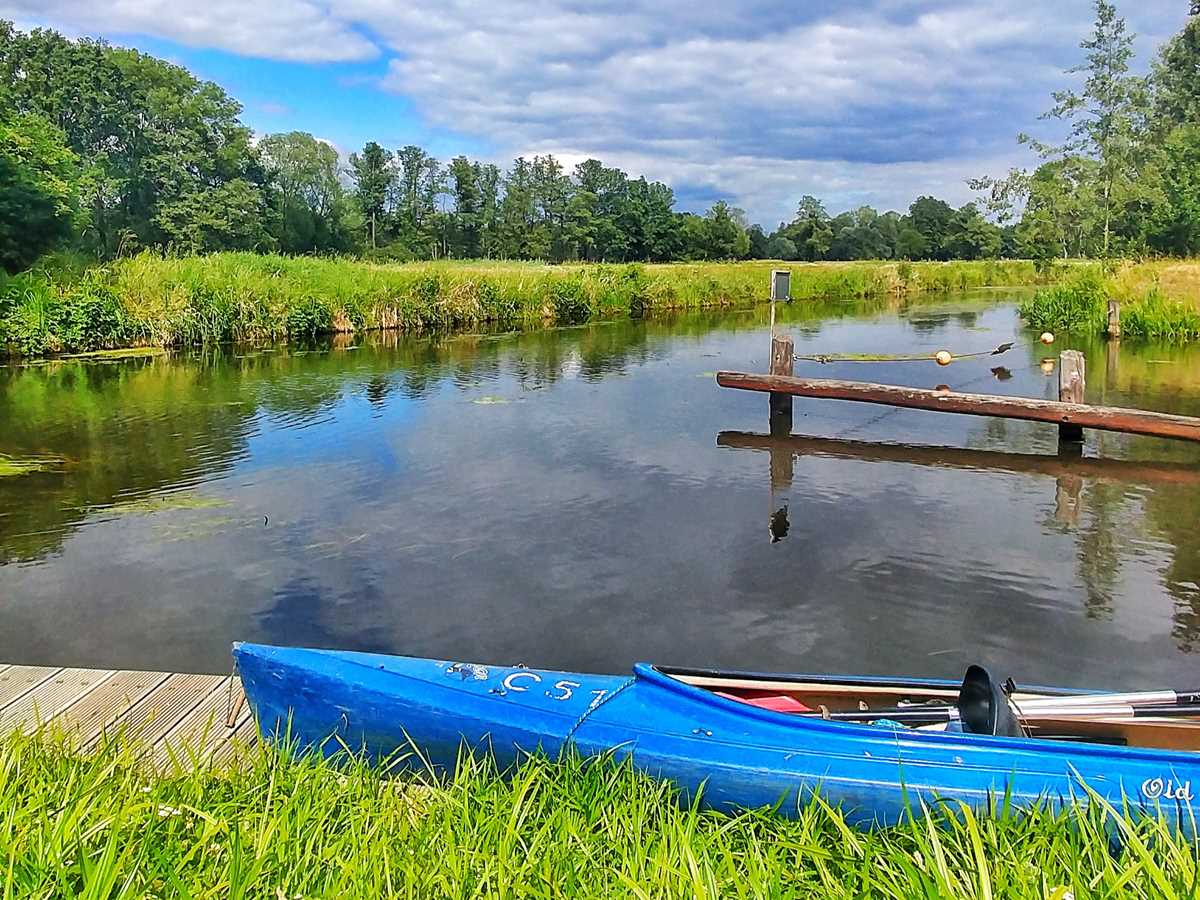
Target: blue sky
758, 102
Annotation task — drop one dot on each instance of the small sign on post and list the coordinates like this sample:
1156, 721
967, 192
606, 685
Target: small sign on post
781, 285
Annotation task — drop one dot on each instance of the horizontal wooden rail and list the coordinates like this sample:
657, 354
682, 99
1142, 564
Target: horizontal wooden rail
1107, 418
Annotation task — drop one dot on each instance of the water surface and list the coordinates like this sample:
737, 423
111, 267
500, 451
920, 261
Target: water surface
584, 498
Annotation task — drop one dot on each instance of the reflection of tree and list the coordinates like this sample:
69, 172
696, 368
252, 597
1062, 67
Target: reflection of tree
1174, 516
124, 430
1099, 547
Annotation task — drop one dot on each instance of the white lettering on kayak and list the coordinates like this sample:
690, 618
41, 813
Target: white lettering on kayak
511, 678
1157, 789
566, 687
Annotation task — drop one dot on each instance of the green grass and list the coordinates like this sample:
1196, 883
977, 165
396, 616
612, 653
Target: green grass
151, 300
1080, 304
270, 826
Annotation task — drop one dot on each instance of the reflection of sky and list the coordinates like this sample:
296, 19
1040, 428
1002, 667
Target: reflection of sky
593, 520
350, 428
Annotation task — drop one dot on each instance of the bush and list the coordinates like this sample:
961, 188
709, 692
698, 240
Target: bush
1077, 305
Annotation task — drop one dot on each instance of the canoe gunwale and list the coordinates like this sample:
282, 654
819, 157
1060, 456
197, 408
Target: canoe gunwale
813, 724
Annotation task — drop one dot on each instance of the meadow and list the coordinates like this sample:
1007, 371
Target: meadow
152, 300
275, 826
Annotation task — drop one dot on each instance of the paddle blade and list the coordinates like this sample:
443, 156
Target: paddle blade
983, 706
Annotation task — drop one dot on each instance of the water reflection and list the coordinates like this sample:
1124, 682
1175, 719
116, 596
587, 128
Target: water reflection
556, 497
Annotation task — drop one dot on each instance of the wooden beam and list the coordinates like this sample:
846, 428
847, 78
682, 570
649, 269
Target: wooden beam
1108, 418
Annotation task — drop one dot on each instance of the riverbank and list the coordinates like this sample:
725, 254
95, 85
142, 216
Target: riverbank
100, 824
150, 300
1159, 300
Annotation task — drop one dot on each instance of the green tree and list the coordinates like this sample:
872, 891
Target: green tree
39, 203
1174, 223
811, 231
1104, 117
467, 207
931, 218
152, 139
725, 238
304, 179
1176, 79
971, 236
374, 177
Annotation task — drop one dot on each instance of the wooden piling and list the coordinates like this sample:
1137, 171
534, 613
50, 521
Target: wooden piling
1114, 319
782, 363
1071, 382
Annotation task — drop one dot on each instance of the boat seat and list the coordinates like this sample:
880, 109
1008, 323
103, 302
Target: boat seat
766, 700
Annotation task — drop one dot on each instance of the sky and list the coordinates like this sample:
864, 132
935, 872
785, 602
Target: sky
759, 102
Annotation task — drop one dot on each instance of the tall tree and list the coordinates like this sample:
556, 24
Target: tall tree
1104, 117
374, 177
467, 206
304, 175
154, 141
1176, 78
39, 203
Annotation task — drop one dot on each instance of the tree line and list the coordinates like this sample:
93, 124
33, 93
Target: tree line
108, 150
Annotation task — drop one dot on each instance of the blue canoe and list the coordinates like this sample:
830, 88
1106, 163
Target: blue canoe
684, 727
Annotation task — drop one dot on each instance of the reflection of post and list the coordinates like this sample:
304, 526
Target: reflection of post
781, 364
782, 460
1112, 354
1068, 489
1070, 390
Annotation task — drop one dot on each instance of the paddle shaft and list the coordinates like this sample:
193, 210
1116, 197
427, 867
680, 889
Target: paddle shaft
937, 714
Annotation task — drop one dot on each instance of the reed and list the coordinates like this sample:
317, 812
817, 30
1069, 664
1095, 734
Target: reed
1159, 300
271, 825
151, 300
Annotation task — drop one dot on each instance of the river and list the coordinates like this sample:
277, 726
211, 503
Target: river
585, 498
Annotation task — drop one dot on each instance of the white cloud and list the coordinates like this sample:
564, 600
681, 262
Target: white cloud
757, 101
279, 29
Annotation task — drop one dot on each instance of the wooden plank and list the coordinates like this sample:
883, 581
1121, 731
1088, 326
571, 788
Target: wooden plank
197, 734
40, 705
244, 737
16, 681
1107, 418
161, 709
1100, 469
101, 709
1071, 387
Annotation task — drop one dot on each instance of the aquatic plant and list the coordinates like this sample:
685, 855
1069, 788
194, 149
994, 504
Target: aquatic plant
101, 824
17, 465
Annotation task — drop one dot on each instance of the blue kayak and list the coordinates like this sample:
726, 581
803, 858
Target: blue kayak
733, 739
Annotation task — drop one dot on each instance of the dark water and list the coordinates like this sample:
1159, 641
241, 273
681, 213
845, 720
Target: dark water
586, 498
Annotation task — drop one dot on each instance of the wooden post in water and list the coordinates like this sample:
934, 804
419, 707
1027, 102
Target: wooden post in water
1114, 319
1070, 390
782, 351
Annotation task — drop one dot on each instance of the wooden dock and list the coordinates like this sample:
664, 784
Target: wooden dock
170, 715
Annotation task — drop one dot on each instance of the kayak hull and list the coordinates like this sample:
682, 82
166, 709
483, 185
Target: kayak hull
728, 755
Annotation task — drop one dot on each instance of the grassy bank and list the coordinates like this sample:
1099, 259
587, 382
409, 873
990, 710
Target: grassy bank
99, 826
175, 301
1159, 300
